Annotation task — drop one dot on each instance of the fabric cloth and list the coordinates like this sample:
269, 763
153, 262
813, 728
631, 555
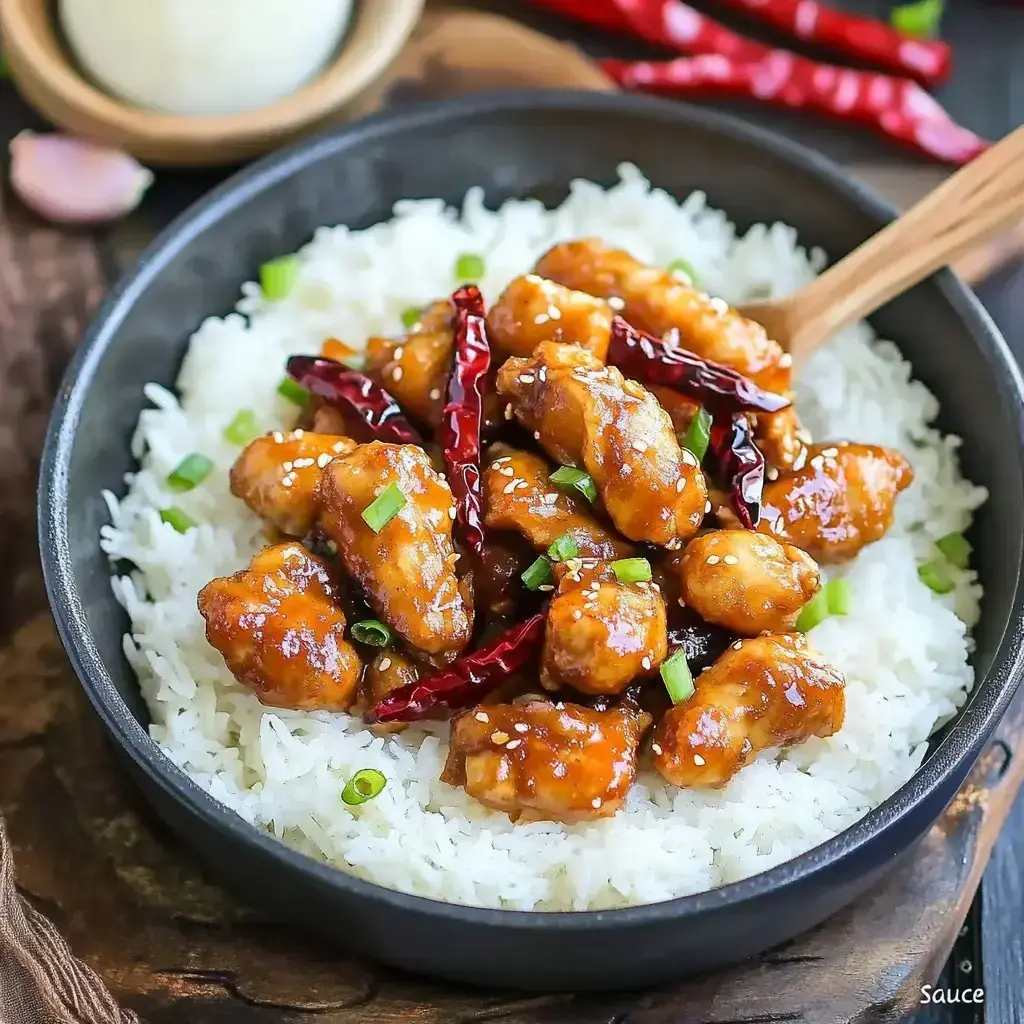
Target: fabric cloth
41, 980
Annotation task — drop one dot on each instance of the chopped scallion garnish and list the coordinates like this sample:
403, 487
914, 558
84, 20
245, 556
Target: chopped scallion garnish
632, 570
242, 429
563, 549
814, 612
364, 785
384, 508
373, 632
538, 575
411, 317
174, 516
676, 675
935, 576
684, 268
956, 549
469, 267
189, 473
278, 277
837, 597
917, 19
698, 434
569, 479
293, 391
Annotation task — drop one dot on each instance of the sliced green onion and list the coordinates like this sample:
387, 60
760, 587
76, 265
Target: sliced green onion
935, 576
373, 632
278, 277
837, 597
189, 473
676, 675
698, 434
918, 19
411, 317
570, 479
242, 429
384, 508
632, 570
684, 268
175, 517
956, 549
814, 612
538, 575
293, 391
469, 267
563, 549
364, 785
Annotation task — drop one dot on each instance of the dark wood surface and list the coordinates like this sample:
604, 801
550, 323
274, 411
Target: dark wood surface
176, 949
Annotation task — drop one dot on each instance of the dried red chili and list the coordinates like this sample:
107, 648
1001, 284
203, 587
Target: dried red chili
355, 395
701, 642
466, 681
651, 360
741, 465
459, 433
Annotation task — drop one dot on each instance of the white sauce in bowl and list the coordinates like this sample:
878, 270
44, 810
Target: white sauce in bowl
203, 57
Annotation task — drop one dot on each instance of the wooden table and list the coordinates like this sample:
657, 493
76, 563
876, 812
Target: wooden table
987, 93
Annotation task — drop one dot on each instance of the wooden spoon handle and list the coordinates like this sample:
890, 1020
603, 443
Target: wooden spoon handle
977, 201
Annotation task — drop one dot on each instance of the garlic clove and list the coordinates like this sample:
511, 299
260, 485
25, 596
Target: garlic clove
71, 181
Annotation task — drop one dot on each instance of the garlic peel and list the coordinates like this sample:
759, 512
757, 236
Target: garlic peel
71, 181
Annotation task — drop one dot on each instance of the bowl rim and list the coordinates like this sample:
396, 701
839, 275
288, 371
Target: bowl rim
963, 740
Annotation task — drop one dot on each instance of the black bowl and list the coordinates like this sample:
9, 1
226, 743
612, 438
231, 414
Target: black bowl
528, 144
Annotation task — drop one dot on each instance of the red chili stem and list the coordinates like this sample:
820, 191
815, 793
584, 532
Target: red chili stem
354, 395
459, 433
466, 681
741, 464
651, 360
895, 107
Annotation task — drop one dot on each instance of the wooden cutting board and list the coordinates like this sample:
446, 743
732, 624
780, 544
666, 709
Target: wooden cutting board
175, 947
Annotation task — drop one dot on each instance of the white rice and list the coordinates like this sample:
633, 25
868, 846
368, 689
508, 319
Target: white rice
903, 649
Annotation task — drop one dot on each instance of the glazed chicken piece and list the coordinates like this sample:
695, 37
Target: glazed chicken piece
657, 300
532, 310
842, 499
389, 670
782, 440
773, 691
587, 415
536, 760
680, 409
277, 476
519, 496
280, 628
407, 566
747, 582
415, 368
601, 634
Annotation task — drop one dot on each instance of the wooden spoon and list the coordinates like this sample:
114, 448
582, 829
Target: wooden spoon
976, 202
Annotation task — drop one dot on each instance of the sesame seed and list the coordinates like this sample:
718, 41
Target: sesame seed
323, 459
278, 437
339, 446
785, 359
736, 646
297, 434
554, 312
646, 663
536, 435
688, 457
521, 727
507, 471
502, 460
712, 559
596, 802
773, 473
656, 747
541, 318
509, 488
522, 485
481, 716
385, 664
730, 559
720, 306
542, 374
559, 706
398, 353
549, 499
512, 744
526, 378
596, 585
287, 481
698, 760
707, 506
435, 393
303, 463
817, 462
577, 615
508, 412
287, 466
674, 544
616, 302
451, 512
680, 484
396, 374
830, 453
546, 587
499, 737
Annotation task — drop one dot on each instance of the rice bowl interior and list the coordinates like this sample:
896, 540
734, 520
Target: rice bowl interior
903, 648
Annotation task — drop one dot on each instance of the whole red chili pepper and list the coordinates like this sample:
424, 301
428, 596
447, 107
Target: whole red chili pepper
354, 394
741, 464
459, 432
895, 107
651, 360
466, 681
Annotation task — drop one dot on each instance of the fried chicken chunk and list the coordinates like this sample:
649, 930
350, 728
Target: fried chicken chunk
520, 497
280, 628
535, 760
841, 500
658, 300
532, 310
585, 414
773, 691
407, 566
389, 671
277, 476
747, 582
601, 634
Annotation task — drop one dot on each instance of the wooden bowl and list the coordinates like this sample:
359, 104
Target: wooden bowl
46, 75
